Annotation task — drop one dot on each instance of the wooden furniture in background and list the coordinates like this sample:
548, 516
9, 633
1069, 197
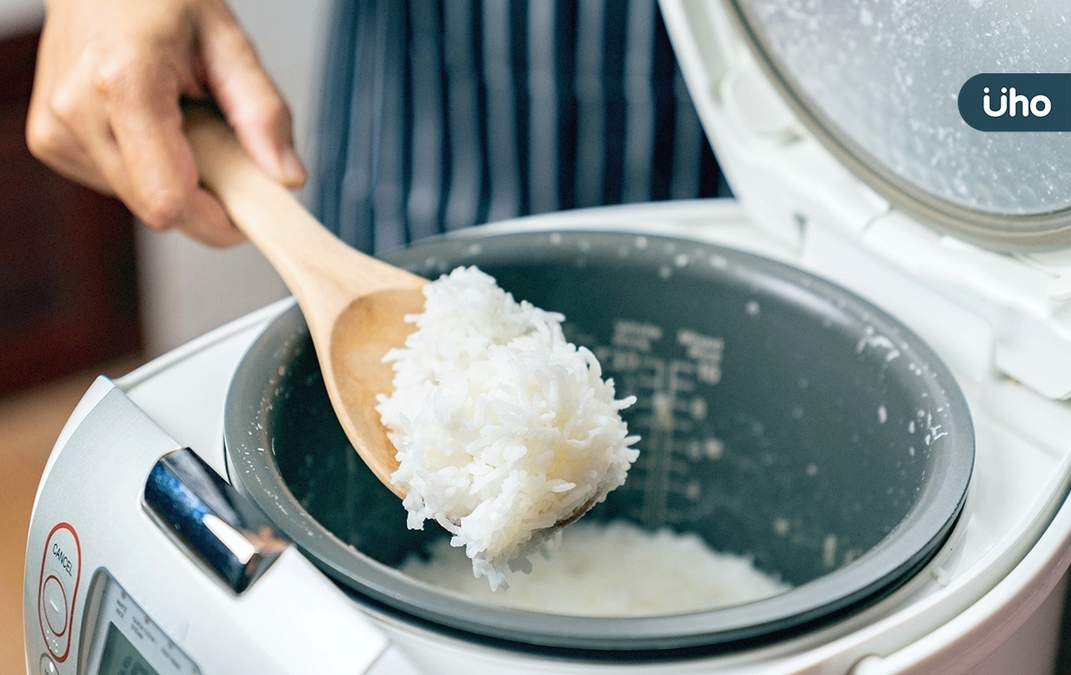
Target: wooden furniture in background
68, 295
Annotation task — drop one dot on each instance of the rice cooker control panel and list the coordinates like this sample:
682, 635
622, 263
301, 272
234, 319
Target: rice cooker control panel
125, 641
77, 616
141, 560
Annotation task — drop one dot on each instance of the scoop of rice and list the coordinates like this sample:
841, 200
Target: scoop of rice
503, 428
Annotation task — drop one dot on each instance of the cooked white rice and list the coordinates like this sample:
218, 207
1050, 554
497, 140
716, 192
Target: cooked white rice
615, 569
503, 428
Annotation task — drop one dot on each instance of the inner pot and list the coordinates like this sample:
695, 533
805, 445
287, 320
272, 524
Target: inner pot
782, 418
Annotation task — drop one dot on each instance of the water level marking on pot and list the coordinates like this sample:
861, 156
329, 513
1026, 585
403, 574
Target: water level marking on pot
669, 409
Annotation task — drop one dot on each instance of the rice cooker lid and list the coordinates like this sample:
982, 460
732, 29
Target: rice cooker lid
879, 84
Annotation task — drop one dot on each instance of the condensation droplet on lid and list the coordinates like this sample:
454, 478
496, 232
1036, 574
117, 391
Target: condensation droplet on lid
883, 415
475, 249
665, 272
584, 245
556, 238
829, 551
911, 427
719, 261
681, 260
752, 308
911, 451
797, 412
780, 526
811, 470
641, 242
803, 383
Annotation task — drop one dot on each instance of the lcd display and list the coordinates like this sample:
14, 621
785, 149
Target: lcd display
122, 658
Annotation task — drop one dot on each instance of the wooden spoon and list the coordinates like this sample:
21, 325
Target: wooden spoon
354, 304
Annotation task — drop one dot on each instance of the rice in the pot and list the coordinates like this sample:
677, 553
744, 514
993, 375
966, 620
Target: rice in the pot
613, 569
503, 428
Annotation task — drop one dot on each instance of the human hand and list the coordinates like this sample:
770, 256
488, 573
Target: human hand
105, 106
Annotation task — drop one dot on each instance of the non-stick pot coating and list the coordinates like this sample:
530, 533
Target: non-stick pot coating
781, 418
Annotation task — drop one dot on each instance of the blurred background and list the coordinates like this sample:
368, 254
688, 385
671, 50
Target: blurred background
84, 290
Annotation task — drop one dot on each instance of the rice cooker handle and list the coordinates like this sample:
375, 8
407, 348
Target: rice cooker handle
203, 514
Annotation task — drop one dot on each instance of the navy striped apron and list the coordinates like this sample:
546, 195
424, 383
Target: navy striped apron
442, 114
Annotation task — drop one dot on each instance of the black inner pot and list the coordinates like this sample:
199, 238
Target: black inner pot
782, 418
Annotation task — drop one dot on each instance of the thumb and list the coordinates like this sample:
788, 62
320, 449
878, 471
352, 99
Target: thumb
248, 98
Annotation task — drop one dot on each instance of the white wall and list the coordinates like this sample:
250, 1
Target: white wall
19, 16
188, 288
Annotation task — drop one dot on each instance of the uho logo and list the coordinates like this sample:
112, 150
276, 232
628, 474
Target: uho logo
1017, 102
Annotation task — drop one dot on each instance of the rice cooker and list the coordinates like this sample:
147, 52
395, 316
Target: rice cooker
855, 374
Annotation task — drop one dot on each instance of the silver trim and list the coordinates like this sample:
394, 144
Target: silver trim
207, 517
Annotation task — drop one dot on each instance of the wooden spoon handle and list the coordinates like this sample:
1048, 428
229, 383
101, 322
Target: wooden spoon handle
319, 269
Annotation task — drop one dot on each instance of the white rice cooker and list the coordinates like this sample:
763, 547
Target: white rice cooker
157, 547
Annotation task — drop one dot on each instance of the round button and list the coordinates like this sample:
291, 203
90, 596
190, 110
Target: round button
48, 667
55, 602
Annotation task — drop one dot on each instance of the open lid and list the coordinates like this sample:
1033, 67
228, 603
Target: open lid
878, 83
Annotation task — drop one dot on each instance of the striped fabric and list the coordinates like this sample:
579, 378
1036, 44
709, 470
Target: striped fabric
441, 114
